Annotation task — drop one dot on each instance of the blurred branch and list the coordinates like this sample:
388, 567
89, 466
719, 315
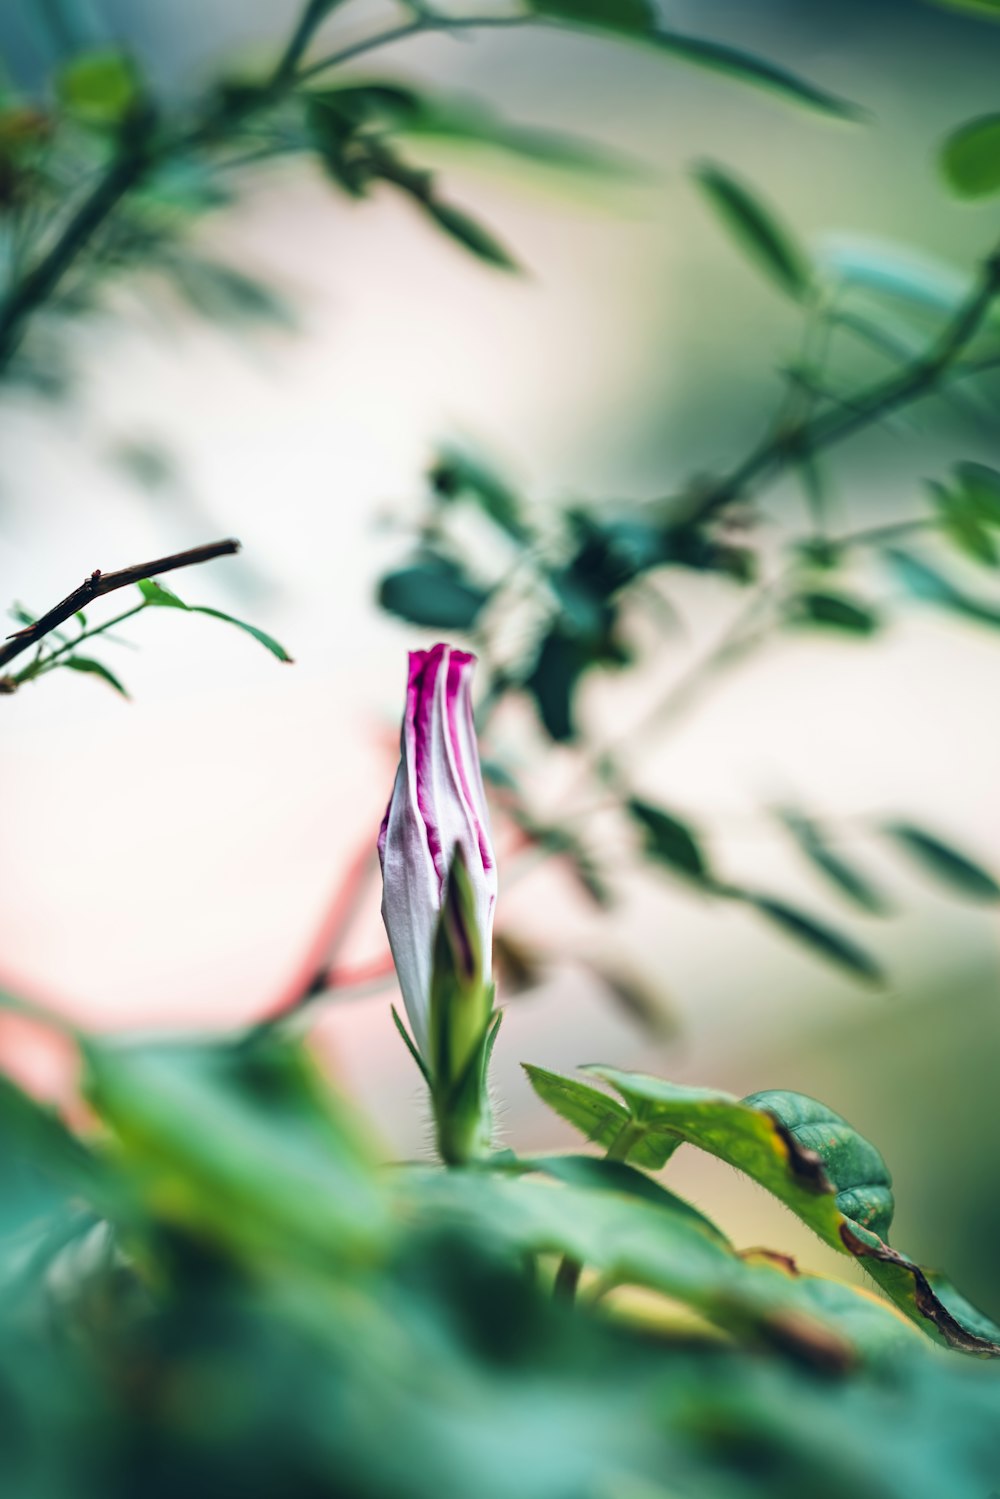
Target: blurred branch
787, 445
140, 150
38, 284
420, 25
100, 583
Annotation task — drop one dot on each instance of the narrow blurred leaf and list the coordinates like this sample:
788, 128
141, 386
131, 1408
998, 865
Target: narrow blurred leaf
469, 122
227, 295
961, 523
944, 863
635, 993
849, 880
833, 611
553, 682
915, 281
458, 474
970, 158
823, 940
633, 17
434, 593
745, 67
469, 233
980, 486
519, 965
86, 664
670, 841
637, 20
756, 230
926, 583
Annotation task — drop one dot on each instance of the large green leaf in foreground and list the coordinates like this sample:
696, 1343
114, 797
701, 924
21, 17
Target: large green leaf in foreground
658, 1242
815, 1163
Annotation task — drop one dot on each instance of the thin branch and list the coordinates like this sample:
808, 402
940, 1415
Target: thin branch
100, 583
421, 25
919, 378
42, 280
314, 13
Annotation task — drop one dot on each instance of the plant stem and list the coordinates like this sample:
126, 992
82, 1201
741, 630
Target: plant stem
919, 378
314, 12
570, 1270
38, 284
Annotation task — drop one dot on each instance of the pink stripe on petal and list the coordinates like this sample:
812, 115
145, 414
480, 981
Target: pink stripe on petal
422, 686
459, 701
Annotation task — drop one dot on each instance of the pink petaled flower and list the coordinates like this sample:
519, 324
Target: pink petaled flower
437, 806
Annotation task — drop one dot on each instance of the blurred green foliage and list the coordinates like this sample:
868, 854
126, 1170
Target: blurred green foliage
219, 1287
221, 1290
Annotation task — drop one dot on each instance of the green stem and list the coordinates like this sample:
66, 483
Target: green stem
568, 1275
46, 663
38, 284
314, 13
921, 377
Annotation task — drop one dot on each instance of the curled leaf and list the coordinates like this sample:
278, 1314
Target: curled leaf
814, 1162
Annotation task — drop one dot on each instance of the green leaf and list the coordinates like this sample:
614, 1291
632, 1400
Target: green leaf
930, 586
410, 1045
670, 841
980, 487
756, 230
659, 1243
561, 842
961, 523
919, 283
101, 87
155, 593
745, 67
459, 474
434, 593
970, 158
267, 641
599, 1118
86, 664
241, 1142
410, 115
944, 863
469, 233
850, 881
633, 17
42, 1164
816, 1164
833, 611
636, 20
159, 595
553, 681
227, 295
823, 940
